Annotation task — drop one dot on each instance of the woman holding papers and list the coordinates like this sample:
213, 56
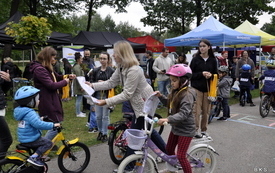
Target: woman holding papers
131, 77
100, 74
49, 83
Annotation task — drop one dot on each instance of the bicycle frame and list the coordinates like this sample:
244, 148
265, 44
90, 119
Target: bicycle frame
57, 138
170, 159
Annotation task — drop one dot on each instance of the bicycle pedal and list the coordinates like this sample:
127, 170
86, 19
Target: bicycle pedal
159, 159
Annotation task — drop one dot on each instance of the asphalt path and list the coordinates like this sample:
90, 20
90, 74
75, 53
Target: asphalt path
245, 143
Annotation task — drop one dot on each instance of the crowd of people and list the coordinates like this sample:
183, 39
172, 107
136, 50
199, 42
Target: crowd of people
183, 88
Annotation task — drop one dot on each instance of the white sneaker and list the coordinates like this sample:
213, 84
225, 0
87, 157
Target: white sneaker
81, 115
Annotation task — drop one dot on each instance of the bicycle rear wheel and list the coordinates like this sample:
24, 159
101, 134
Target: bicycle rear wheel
11, 166
242, 100
215, 112
264, 106
134, 162
74, 159
117, 145
202, 160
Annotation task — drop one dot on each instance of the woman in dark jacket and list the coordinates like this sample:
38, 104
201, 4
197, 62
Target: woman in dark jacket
100, 74
5, 135
203, 66
49, 83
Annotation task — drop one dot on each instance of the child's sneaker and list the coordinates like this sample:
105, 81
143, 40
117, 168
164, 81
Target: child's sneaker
35, 161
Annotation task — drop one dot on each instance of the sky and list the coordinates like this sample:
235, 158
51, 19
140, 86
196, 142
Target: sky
135, 12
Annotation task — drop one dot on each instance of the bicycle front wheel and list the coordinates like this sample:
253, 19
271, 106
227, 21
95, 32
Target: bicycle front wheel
74, 159
11, 166
133, 163
202, 160
264, 106
117, 145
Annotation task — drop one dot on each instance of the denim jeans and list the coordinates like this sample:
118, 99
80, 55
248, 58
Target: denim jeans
78, 104
51, 134
225, 107
162, 86
93, 123
102, 118
42, 144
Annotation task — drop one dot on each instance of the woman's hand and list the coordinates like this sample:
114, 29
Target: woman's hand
90, 84
101, 102
5, 75
206, 74
72, 76
158, 94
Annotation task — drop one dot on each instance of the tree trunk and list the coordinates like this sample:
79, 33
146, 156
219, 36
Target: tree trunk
90, 12
8, 47
198, 11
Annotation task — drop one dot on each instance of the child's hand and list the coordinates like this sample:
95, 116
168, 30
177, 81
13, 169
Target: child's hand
162, 121
56, 124
101, 103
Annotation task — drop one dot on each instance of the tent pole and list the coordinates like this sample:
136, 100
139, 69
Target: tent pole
223, 46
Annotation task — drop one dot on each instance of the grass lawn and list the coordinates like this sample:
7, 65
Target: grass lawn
75, 127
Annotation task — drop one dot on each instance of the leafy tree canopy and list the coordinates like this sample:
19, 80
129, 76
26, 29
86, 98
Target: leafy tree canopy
29, 30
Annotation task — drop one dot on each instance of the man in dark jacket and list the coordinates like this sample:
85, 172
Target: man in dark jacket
150, 73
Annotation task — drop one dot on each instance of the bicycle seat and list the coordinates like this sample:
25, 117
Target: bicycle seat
22, 147
128, 116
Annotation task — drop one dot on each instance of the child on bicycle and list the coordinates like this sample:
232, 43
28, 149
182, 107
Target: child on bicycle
269, 80
246, 83
180, 104
30, 124
224, 86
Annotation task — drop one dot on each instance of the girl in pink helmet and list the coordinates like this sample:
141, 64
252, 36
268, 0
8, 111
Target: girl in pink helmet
180, 103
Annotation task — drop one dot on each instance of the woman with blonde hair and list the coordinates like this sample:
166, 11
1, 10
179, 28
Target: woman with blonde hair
49, 83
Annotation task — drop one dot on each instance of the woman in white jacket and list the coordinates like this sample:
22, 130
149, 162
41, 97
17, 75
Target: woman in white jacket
135, 87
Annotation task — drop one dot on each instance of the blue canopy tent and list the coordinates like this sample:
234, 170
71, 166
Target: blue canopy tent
217, 33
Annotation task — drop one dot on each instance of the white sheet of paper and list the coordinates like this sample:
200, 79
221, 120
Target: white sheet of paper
151, 105
91, 99
89, 90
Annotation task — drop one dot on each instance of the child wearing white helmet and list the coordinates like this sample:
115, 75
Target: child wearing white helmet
180, 103
224, 86
30, 124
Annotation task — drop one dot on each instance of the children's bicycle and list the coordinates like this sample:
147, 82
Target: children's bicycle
73, 157
265, 104
216, 109
201, 156
117, 144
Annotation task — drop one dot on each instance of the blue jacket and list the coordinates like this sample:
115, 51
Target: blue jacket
29, 124
269, 80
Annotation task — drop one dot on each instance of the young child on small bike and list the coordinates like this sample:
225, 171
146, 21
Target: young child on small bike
30, 124
246, 83
224, 86
180, 103
269, 80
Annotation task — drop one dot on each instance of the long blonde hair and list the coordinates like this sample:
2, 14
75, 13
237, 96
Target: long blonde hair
45, 57
125, 51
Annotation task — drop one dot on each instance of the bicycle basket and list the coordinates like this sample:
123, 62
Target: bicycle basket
135, 138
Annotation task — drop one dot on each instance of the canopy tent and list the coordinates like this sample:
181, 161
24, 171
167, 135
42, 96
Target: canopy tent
151, 43
4, 38
57, 38
217, 33
101, 40
248, 28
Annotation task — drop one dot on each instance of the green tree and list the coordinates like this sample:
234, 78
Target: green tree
164, 15
127, 30
29, 30
232, 13
269, 27
92, 5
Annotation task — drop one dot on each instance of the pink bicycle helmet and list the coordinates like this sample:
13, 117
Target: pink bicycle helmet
180, 70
